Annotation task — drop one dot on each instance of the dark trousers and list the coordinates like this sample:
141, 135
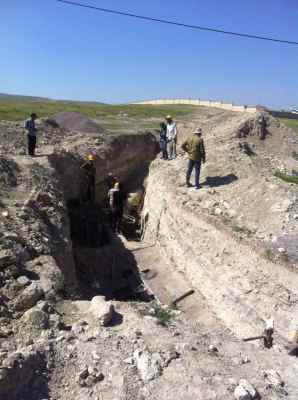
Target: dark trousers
163, 148
31, 144
116, 219
197, 165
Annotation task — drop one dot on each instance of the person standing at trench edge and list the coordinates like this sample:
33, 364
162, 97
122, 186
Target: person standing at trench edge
163, 140
171, 137
31, 134
195, 148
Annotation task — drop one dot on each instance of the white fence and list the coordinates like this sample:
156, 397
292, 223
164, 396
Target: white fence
205, 103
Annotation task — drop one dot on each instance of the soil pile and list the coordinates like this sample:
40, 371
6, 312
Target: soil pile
73, 121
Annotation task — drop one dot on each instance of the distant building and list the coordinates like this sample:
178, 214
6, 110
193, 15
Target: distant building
261, 108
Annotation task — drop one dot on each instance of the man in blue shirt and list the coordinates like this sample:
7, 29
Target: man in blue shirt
31, 134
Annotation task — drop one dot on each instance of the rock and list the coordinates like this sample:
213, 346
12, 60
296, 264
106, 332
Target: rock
23, 280
84, 373
212, 349
35, 318
50, 276
102, 310
149, 365
7, 257
273, 379
29, 297
245, 391
89, 376
241, 394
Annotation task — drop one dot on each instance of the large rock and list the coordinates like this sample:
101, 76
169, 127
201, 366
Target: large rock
102, 310
245, 391
7, 257
29, 296
148, 364
35, 318
50, 277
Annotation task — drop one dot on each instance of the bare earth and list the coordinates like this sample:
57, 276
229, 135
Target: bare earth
233, 242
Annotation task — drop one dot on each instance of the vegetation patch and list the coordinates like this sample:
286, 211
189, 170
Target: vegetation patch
290, 123
162, 315
13, 110
286, 177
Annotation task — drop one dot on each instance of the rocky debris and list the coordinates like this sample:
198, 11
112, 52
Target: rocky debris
245, 391
148, 364
89, 376
73, 121
7, 257
35, 318
274, 380
102, 310
50, 277
28, 297
17, 371
23, 281
151, 364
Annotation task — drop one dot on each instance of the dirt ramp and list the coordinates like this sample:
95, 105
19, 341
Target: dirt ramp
74, 121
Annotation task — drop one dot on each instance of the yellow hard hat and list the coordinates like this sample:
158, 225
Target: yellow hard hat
91, 157
168, 117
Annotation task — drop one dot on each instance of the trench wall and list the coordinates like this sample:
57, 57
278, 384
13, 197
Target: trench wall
236, 281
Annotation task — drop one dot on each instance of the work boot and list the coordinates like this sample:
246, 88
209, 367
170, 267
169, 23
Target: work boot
188, 184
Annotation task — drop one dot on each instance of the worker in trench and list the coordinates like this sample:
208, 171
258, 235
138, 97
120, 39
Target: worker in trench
195, 148
89, 170
116, 202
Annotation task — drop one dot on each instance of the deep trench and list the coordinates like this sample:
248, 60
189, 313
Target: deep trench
104, 266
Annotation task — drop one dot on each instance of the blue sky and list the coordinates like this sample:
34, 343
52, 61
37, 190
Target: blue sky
54, 50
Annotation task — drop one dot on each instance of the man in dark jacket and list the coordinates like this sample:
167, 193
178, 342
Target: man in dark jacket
31, 134
163, 141
195, 148
90, 171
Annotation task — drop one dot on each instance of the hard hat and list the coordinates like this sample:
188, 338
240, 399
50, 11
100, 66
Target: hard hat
90, 157
168, 117
197, 130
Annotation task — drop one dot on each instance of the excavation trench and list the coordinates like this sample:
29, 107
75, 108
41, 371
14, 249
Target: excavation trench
102, 262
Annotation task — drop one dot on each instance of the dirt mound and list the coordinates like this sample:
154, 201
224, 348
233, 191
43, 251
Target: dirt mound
74, 121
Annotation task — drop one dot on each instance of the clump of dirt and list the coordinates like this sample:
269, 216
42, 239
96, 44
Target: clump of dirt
74, 121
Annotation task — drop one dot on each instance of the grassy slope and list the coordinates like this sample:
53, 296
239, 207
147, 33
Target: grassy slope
20, 110
291, 123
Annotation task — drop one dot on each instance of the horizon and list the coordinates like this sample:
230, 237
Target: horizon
89, 56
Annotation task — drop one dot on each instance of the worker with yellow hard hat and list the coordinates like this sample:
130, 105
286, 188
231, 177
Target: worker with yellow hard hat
89, 171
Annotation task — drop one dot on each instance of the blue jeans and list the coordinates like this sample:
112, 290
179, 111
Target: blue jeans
163, 148
191, 165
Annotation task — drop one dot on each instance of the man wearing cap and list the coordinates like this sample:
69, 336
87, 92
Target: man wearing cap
195, 148
90, 171
171, 137
31, 134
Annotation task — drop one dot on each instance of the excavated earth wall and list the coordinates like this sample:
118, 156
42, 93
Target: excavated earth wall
217, 236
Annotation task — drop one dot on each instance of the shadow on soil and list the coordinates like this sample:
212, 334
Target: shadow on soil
215, 181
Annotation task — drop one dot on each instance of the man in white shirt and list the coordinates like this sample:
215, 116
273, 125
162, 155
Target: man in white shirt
171, 137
